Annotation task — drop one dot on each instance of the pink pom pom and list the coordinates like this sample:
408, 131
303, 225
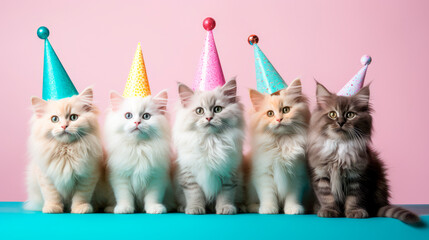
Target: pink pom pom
365, 60
209, 24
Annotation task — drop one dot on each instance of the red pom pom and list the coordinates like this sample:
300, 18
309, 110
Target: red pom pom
209, 24
252, 39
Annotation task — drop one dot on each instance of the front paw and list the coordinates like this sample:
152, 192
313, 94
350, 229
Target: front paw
156, 209
226, 210
53, 208
195, 210
357, 213
82, 208
328, 213
123, 209
268, 209
294, 209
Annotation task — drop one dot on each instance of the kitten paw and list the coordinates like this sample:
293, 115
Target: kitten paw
253, 208
52, 208
123, 209
268, 209
328, 213
156, 209
109, 209
294, 209
226, 210
357, 213
195, 210
82, 208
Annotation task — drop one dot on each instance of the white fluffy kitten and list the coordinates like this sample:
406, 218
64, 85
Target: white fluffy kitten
138, 143
278, 177
208, 135
66, 154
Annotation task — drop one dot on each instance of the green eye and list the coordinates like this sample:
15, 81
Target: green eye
286, 109
74, 117
199, 110
217, 109
128, 115
146, 116
350, 115
332, 115
55, 119
270, 113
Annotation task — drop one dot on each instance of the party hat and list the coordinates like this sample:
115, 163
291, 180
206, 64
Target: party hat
137, 83
56, 82
209, 74
268, 80
356, 83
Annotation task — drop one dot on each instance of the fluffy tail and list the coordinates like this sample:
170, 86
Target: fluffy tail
402, 214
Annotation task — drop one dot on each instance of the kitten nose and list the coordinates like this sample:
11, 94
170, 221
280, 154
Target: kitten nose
64, 127
137, 123
209, 119
279, 120
341, 123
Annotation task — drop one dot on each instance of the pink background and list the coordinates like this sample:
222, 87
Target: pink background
321, 39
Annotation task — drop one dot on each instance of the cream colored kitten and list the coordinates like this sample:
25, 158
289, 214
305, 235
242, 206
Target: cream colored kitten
66, 152
138, 144
278, 129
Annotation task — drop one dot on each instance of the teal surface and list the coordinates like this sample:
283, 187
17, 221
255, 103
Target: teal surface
16, 223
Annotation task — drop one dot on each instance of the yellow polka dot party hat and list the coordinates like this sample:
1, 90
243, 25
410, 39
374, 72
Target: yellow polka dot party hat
137, 83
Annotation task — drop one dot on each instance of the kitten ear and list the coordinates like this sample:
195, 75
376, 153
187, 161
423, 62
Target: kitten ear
321, 93
363, 95
295, 88
115, 100
86, 96
230, 90
185, 93
256, 98
39, 106
161, 100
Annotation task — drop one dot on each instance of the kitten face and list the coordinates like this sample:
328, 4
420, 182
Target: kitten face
344, 117
137, 117
284, 112
211, 111
65, 120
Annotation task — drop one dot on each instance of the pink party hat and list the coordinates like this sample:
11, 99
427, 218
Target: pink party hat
209, 74
356, 83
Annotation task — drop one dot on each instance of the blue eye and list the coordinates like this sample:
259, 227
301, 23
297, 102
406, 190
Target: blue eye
146, 116
55, 119
74, 117
128, 115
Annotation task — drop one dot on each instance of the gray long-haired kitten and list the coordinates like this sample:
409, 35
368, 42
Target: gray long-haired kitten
208, 135
347, 175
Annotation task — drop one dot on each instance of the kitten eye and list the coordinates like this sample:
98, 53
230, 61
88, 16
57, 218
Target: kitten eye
199, 110
146, 116
270, 113
350, 115
332, 115
286, 109
217, 109
55, 119
74, 117
128, 115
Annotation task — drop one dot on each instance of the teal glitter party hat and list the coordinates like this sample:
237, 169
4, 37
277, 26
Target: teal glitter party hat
56, 82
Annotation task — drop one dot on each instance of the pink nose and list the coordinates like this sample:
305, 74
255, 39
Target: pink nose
279, 120
64, 127
209, 119
137, 123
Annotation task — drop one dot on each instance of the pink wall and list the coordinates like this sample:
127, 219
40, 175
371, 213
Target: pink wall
321, 39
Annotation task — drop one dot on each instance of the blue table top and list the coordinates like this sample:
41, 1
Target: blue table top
16, 223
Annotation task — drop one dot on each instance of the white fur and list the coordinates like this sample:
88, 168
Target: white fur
139, 160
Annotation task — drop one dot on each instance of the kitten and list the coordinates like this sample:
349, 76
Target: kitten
278, 127
208, 136
66, 154
138, 144
347, 175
